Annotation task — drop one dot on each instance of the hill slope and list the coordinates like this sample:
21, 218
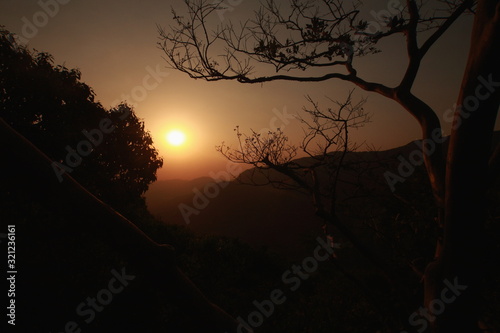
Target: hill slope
265, 216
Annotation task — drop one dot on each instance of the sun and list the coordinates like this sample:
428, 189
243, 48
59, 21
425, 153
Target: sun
176, 138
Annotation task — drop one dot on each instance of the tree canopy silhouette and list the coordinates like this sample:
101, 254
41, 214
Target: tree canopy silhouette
51, 106
69, 233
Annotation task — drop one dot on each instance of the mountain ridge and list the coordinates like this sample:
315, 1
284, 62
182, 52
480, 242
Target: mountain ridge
262, 215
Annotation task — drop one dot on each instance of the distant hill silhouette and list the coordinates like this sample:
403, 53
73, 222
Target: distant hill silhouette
265, 216
261, 216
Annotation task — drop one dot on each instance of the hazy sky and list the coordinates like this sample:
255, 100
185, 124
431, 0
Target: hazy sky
113, 43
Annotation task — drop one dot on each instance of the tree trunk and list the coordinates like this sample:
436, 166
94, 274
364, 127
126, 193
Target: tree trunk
460, 261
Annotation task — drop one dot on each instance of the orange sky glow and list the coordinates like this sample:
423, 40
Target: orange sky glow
113, 43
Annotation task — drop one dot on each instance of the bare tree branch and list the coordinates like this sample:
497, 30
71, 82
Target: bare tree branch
322, 34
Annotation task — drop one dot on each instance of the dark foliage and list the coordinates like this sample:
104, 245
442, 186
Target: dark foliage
54, 109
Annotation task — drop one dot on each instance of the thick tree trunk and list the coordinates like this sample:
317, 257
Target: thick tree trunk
460, 261
28, 170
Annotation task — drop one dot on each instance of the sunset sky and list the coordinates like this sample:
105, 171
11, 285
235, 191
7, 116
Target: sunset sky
113, 43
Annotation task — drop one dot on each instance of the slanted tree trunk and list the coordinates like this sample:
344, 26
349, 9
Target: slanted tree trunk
27, 169
467, 180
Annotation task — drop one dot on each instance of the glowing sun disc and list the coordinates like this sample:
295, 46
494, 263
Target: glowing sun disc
176, 138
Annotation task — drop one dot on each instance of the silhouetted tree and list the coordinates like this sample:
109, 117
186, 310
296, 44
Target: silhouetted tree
327, 172
53, 108
28, 179
113, 156
326, 143
330, 35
